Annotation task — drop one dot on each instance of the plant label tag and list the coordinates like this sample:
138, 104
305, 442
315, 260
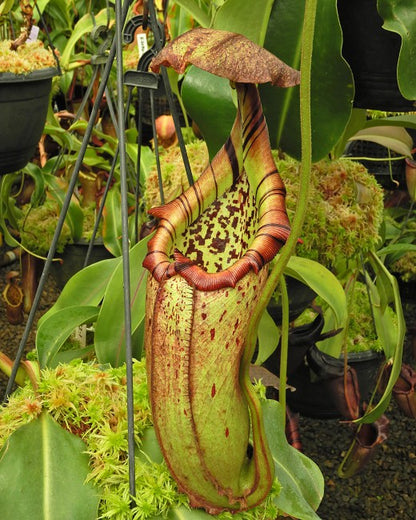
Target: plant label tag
33, 36
142, 43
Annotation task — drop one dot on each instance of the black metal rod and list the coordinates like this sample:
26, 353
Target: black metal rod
156, 147
137, 191
125, 248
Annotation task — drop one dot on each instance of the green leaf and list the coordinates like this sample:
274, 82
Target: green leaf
393, 137
400, 17
197, 10
328, 287
398, 249
6, 6
35, 172
405, 120
110, 339
208, 101
150, 449
43, 469
391, 333
268, 337
356, 122
323, 282
301, 479
86, 287
237, 16
56, 329
111, 231
331, 85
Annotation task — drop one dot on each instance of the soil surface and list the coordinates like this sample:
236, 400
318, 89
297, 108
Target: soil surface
385, 490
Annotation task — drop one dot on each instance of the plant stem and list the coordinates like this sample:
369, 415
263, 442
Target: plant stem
284, 347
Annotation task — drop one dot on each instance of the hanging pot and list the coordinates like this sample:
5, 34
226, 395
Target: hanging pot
372, 54
23, 107
72, 260
300, 297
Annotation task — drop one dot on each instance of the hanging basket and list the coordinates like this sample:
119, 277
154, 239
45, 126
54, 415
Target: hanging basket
23, 107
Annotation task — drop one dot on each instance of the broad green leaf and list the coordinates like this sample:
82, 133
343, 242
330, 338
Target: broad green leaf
208, 101
356, 122
8, 210
110, 339
400, 17
86, 287
66, 356
197, 10
237, 16
111, 231
150, 449
398, 249
404, 120
323, 282
301, 479
6, 6
43, 469
268, 337
56, 329
331, 86
393, 137
328, 287
35, 172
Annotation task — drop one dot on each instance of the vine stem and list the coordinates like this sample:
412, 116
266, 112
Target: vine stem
305, 175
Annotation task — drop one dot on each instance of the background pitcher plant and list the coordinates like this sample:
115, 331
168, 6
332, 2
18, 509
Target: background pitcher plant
208, 263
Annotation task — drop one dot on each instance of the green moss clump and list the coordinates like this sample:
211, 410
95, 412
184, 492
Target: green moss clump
405, 267
37, 226
345, 209
173, 172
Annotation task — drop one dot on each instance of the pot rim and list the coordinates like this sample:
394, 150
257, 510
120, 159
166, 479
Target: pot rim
36, 75
364, 355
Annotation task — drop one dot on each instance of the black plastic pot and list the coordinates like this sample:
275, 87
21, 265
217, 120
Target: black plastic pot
23, 107
372, 54
300, 297
73, 260
312, 398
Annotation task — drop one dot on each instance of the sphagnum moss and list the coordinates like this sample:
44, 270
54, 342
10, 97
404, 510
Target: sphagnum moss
28, 57
91, 402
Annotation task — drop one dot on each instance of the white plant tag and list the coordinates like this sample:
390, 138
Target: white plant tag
34, 32
142, 43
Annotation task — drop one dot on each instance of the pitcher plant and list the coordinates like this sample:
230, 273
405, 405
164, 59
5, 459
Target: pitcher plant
208, 262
